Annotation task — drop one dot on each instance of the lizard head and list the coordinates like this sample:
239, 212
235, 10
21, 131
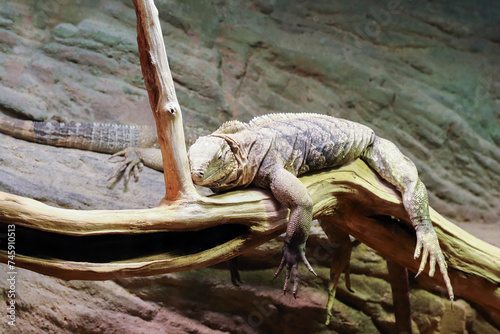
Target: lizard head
212, 162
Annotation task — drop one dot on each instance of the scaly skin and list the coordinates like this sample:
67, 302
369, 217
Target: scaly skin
271, 151
132, 145
97, 137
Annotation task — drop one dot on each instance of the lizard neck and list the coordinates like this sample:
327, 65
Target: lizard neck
249, 154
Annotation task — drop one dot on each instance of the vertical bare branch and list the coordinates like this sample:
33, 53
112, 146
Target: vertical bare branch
400, 287
163, 101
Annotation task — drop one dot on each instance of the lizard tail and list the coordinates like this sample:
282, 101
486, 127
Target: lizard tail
17, 128
98, 137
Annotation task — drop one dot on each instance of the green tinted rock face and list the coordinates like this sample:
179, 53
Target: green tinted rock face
64, 30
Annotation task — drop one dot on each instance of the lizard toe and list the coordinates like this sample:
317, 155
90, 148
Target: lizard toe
292, 256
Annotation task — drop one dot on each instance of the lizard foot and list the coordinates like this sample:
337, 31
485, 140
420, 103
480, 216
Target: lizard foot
428, 245
292, 256
130, 164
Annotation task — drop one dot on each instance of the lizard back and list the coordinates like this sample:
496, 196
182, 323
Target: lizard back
311, 141
297, 142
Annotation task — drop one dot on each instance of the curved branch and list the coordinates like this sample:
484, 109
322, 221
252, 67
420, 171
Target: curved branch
353, 198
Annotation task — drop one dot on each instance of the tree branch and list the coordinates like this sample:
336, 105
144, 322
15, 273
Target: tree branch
163, 101
353, 198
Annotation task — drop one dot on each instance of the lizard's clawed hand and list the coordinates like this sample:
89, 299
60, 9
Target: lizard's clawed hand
427, 242
130, 164
292, 256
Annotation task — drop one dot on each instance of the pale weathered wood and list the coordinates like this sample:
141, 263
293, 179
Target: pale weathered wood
163, 101
353, 198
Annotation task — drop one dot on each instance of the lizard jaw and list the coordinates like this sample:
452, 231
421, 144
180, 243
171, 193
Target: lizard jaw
200, 179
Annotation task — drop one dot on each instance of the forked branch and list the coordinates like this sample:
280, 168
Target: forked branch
353, 198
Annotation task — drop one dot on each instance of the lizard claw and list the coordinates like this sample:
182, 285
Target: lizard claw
292, 256
428, 246
130, 164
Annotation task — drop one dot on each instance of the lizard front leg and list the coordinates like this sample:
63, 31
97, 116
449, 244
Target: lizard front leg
289, 191
131, 161
392, 165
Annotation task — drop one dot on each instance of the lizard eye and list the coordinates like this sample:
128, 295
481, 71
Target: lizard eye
220, 156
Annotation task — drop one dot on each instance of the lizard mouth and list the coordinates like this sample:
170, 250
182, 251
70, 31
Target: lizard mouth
214, 177
201, 179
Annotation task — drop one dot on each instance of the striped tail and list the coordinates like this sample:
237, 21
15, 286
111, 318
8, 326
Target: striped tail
98, 137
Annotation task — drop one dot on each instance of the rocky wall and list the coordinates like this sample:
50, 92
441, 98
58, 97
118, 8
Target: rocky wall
423, 74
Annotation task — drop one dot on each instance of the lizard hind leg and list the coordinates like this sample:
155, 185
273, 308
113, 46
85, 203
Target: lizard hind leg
388, 161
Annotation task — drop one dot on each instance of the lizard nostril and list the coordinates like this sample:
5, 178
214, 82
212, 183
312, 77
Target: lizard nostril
197, 175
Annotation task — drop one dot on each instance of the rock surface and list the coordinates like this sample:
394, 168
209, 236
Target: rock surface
425, 75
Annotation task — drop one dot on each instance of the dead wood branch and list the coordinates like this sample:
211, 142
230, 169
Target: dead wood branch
163, 101
353, 198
